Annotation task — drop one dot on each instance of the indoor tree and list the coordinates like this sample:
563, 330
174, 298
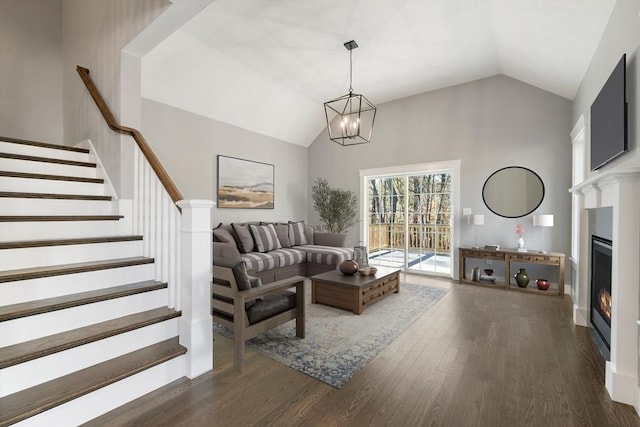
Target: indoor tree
336, 207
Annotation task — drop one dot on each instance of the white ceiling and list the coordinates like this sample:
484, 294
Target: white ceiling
268, 65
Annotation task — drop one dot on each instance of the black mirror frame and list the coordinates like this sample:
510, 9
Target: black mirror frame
514, 167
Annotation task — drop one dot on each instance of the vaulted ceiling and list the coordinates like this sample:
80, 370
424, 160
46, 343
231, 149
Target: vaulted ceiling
268, 66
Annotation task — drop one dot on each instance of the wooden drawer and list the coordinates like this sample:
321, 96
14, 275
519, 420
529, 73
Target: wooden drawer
546, 259
521, 257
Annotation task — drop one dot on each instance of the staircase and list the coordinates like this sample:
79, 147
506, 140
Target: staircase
84, 327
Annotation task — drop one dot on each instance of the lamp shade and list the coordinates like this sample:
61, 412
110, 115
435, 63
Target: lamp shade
543, 220
477, 219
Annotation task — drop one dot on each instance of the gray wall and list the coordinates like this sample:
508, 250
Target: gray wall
188, 144
94, 33
488, 124
31, 70
622, 35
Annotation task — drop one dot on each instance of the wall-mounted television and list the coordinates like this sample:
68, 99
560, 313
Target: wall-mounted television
609, 118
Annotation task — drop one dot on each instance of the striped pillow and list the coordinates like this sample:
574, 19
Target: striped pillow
265, 237
296, 233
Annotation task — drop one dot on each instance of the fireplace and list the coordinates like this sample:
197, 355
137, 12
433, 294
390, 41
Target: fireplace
601, 293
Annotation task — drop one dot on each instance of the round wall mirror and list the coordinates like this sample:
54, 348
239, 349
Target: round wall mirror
513, 192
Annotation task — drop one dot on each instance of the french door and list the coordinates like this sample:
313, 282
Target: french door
409, 219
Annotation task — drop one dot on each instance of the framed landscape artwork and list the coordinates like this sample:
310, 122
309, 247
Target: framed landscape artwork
244, 184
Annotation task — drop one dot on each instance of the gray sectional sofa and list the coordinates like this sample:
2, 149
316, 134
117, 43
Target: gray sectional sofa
274, 251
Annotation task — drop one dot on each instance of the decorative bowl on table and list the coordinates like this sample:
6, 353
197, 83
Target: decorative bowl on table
368, 271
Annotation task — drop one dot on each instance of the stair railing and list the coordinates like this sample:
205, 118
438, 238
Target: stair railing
177, 234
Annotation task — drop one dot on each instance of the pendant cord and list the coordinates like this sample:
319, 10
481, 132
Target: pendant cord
350, 71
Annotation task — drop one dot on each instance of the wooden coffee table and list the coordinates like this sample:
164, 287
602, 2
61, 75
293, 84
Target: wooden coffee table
354, 292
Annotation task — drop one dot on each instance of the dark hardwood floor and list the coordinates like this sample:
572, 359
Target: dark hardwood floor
479, 357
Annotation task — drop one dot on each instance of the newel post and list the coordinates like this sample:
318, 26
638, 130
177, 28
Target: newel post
196, 332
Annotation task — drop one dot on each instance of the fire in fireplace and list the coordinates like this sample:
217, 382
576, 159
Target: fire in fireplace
601, 292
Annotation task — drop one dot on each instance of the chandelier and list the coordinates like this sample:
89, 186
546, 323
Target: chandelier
350, 117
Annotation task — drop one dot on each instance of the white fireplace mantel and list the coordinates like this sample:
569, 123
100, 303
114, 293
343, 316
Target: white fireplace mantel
619, 189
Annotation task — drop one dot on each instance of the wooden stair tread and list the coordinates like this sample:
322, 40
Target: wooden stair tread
19, 195
40, 218
46, 160
81, 267
40, 347
32, 401
64, 242
43, 144
16, 311
11, 174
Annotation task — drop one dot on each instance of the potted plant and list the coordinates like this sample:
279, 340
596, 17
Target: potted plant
336, 207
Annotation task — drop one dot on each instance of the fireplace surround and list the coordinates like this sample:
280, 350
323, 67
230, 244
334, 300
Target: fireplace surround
618, 188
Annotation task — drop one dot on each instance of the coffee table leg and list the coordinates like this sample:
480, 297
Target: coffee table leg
313, 291
357, 301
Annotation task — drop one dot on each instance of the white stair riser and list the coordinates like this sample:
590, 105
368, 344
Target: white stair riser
30, 150
34, 372
13, 259
101, 401
55, 286
28, 166
27, 206
31, 185
38, 326
39, 230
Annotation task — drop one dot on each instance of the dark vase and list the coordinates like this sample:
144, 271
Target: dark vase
348, 267
543, 284
522, 278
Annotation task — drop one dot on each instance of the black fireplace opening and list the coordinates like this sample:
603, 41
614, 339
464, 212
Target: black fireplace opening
601, 293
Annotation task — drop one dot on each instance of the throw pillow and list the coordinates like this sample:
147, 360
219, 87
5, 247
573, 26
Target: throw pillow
265, 237
245, 241
296, 233
243, 280
221, 235
282, 231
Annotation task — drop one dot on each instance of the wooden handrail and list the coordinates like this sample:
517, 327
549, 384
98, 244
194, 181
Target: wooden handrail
162, 174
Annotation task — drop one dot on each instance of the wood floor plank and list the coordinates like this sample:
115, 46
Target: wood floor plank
480, 357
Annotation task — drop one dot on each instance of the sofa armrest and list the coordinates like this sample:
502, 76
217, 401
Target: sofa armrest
228, 251
337, 240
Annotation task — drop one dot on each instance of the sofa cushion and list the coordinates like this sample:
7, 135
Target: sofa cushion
289, 256
258, 261
222, 235
282, 231
239, 269
245, 241
265, 237
296, 233
271, 305
327, 255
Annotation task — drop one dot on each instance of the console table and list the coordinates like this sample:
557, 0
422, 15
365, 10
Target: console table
509, 256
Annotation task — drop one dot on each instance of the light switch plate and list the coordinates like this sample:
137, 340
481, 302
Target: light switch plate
466, 211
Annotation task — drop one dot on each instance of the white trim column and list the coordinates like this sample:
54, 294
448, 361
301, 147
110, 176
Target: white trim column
196, 332
621, 371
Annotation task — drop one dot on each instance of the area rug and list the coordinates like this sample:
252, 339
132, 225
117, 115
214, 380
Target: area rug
339, 343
